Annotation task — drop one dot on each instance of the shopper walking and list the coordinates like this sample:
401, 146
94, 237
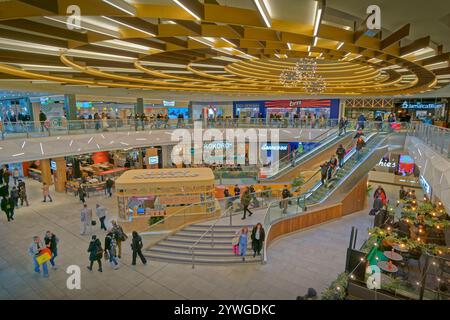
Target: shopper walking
323, 172
258, 236
343, 123
340, 152
7, 206
100, 211
16, 175
86, 219
81, 193
109, 184
245, 201
285, 195
243, 240
402, 194
42, 120
34, 250
6, 176
46, 192
110, 247
23, 193
120, 236
95, 253
51, 242
15, 196
380, 192
237, 191
377, 203
136, 247
360, 144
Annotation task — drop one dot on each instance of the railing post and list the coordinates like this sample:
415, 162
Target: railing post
192, 254
212, 231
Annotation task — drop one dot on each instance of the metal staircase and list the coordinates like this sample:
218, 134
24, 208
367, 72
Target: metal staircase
208, 248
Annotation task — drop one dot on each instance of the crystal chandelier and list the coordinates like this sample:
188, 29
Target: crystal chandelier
304, 72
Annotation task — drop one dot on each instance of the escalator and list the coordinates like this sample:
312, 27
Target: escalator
377, 145
288, 168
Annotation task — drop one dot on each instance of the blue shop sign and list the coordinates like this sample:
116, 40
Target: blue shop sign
419, 105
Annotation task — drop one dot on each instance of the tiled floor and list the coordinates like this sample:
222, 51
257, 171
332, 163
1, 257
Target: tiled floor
311, 258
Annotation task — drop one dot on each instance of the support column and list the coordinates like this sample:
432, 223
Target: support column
36, 108
165, 157
70, 106
60, 175
139, 107
46, 173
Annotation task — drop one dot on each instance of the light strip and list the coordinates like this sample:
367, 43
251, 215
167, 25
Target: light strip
262, 10
187, 9
315, 41
289, 45
340, 45
228, 41
121, 7
317, 21
202, 41
129, 26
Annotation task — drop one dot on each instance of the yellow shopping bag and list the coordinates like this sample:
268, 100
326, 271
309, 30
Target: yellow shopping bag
44, 256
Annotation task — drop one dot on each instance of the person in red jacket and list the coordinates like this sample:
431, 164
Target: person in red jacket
380, 192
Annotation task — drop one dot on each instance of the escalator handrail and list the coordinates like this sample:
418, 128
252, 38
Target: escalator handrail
303, 156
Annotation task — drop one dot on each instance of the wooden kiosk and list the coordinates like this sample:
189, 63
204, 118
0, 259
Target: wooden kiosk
147, 196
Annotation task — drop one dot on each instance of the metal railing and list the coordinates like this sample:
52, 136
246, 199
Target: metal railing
436, 137
35, 129
298, 204
292, 160
209, 230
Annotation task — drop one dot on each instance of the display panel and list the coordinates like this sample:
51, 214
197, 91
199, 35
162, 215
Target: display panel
175, 112
405, 165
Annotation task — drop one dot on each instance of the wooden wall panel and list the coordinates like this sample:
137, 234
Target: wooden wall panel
356, 200
353, 202
303, 221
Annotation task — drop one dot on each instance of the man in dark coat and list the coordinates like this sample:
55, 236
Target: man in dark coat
7, 205
340, 152
95, 253
136, 246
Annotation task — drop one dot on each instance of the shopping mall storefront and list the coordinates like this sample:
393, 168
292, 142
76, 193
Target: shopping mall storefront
287, 109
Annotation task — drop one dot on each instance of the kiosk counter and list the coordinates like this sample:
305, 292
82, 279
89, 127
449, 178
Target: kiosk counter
145, 197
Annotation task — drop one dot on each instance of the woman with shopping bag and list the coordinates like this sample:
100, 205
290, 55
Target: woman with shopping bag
40, 254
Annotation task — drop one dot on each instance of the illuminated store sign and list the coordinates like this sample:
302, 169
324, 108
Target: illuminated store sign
169, 103
386, 164
419, 105
280, 147
218, 145
153, 160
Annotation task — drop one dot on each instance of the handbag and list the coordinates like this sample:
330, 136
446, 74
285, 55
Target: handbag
44, 256
373, 212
